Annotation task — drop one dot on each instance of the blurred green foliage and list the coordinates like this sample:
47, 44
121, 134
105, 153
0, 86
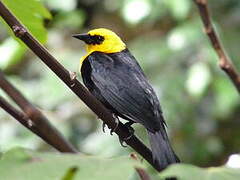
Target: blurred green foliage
31, 13
200, 104
212, 173
28, 165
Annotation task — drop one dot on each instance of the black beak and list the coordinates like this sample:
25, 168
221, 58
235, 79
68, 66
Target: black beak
88, 39
84, 37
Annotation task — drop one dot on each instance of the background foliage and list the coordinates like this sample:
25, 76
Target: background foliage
199, 102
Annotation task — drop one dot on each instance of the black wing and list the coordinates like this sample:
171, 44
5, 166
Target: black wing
121, 83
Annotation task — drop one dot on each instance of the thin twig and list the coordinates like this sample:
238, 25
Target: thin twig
141, 172
96, 106
25, 121
34, 119
224, 61
19, 116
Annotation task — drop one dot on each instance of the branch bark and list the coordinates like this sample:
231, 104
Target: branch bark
225, 62
19, 116
32, 118
96, 106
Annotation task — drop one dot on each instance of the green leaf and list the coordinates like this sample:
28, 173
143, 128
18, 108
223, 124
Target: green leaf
189, 172
32, 14
24, 164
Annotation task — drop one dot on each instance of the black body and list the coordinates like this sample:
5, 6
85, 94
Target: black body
117, 80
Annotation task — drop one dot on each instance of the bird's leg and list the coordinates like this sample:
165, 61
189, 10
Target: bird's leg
112, 130
117, 123
131, 131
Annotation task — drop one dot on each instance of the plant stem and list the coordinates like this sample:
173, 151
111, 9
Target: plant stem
225, 62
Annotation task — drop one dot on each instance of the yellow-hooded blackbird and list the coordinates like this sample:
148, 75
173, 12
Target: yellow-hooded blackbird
114, 77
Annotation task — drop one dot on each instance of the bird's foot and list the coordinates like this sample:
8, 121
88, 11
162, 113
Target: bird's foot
116, 126
131, 131
113, 129
103, 127
122, 142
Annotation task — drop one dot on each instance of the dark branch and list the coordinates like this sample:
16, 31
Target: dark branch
19, 116
32, 118
224, 61
97, 107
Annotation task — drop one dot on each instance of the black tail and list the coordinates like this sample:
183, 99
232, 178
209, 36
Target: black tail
162, 151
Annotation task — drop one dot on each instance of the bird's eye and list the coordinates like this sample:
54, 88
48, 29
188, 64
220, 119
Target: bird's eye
100, 38
97, 39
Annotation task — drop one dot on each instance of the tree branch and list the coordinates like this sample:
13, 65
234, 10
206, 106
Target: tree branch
32, 118
96, 106
225, 62
19, 116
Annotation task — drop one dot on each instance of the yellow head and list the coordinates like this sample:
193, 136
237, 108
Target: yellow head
102, 40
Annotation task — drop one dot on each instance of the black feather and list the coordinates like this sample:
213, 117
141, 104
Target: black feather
118, 81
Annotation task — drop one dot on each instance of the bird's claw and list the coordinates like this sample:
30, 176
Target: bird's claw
117, 123
131, 131
113, 129
122, 142
103, 127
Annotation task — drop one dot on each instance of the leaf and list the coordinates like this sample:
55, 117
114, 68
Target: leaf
24, 164
32, 14
189, 172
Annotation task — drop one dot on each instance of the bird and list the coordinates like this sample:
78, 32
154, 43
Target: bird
113, 75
